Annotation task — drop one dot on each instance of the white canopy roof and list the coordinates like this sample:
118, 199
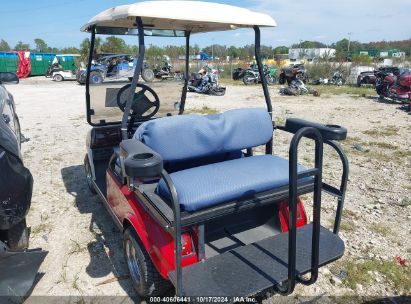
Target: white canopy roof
196, 16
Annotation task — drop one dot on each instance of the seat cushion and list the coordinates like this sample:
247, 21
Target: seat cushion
187, 137
213, 184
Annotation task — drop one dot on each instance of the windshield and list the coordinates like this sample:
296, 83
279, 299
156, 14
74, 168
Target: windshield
113, 64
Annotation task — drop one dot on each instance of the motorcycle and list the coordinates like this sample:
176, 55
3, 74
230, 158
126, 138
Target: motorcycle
238, 73
166, 72
395, 86
206, 81
296, 71
337, 79
252, 75
298, 87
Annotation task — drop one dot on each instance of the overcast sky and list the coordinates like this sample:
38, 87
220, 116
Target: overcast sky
58, 22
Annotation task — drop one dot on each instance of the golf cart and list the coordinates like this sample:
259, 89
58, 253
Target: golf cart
63, 75
199, 210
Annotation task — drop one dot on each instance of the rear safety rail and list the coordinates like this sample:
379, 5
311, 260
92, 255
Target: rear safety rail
294, 176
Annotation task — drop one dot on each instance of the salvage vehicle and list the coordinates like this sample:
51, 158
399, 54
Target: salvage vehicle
59, 76
293, 72
18, 266
166, 72
252, 75
16, 181
206, 81
395, 86
112, 67
366, 78
198, 208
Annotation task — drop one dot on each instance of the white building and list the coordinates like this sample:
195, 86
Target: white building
311, 54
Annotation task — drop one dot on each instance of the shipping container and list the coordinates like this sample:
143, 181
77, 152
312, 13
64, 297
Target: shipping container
40, 63
68, 61
8, 62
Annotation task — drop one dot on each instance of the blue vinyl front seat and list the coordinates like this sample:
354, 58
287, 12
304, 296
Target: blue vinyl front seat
217, 172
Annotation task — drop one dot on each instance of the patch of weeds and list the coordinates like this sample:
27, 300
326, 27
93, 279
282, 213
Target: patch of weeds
406, 202
380, 229
75, 283
345, 89
204, 110
77, 247
402, 153
280, 121
362, 273
40, 229
346, 225
350, 214
383, 145
389, 130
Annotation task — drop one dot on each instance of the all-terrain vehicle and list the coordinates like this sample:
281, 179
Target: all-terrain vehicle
199, 208
113, 67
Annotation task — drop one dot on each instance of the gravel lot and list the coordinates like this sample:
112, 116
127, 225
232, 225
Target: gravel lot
85, 247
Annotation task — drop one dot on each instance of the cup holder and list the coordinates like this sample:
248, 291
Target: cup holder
143, 156
333, 126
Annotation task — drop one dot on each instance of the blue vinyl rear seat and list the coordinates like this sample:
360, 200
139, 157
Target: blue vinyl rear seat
213, 184
189, 138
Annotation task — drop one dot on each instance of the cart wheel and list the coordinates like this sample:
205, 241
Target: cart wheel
58, 78
145, 277
89, 175
95, 78
17, 237
248, 79
147, 75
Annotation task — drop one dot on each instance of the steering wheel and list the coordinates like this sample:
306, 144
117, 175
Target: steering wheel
141, 103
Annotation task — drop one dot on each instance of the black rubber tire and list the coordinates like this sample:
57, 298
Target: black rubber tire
248, 80
89, 175
147, 75
271, 80
151, 283
17, 237
96, 78
217, 91
58, 78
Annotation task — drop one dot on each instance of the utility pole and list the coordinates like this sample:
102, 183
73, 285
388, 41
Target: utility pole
349, 41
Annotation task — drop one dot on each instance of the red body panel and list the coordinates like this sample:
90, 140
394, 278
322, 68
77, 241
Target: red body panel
158, 242
284, 215
405, 80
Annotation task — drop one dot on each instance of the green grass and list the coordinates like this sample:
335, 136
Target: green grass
362, 273
41, 228
346, 225
204, 110
380, 229
389, 130
345, 89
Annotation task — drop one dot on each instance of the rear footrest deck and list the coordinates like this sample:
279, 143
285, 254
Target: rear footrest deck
254, 268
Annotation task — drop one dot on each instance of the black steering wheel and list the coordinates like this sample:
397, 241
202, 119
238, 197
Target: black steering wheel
141, 104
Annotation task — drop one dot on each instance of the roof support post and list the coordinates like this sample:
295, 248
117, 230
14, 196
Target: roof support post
186, 77
269, 145
137, 71
90, 60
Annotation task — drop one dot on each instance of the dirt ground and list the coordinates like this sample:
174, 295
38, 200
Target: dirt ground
84, 246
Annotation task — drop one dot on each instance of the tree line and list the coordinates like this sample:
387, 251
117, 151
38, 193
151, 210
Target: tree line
117, 45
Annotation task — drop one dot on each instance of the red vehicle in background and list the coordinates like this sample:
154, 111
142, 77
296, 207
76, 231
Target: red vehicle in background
396, 86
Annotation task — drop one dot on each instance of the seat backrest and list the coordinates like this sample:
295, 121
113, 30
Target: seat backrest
185, 137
